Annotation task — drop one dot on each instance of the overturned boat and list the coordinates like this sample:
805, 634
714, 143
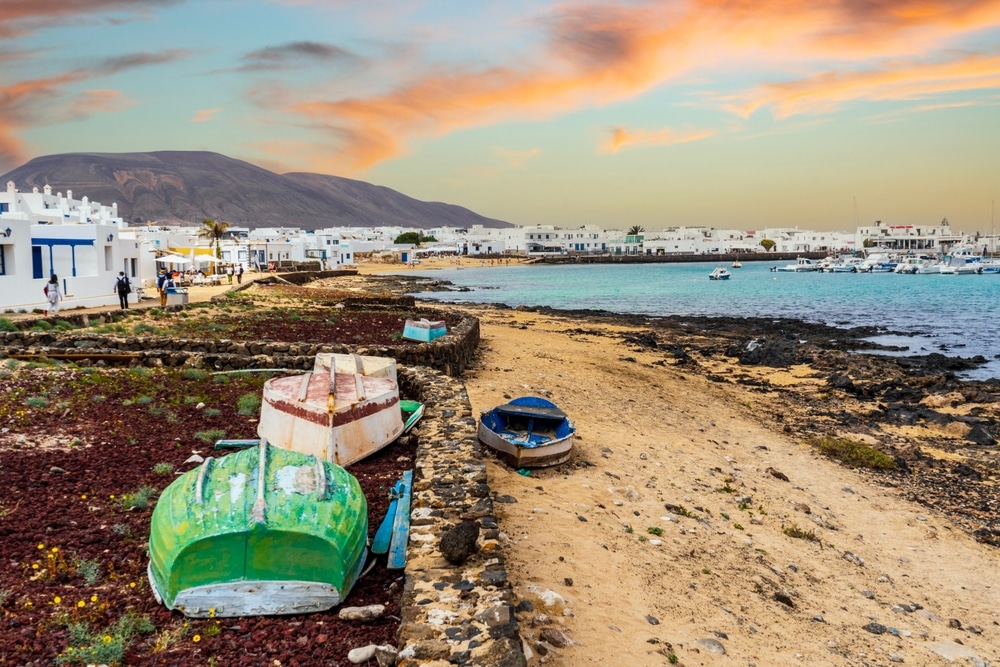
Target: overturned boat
259, 532
343, 410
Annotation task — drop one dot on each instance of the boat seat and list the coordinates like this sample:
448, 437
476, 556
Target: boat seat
531, 411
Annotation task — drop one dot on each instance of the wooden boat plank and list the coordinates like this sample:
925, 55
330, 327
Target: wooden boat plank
380, 544
531, 411
401, 525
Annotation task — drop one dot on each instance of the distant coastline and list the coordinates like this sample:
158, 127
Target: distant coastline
780, 257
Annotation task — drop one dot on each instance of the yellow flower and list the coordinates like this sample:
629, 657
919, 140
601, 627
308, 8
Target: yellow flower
41, 546
196, 639
55, 549
34, 566
112, 496
83, 497
93, 598
56, 600
131, 584
211, 613
107, 639
81, 603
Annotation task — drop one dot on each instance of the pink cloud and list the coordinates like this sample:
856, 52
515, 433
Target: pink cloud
620, 138
19, 17
204, 115
600, 54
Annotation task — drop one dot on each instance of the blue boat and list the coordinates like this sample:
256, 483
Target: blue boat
424, 330
528, 432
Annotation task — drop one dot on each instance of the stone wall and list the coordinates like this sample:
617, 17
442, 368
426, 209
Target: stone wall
449, 354
453, 614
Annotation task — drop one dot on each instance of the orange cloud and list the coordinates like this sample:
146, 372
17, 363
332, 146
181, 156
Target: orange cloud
597, 55
203, 115
19, 17
517, 158
620, 138
90, 102
899, 81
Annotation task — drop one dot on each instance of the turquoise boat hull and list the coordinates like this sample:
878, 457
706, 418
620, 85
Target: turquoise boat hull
227, 540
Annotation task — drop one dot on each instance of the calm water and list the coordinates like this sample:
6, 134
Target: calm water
957, 312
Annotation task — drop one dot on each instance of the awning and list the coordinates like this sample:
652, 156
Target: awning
173, 259
207, 258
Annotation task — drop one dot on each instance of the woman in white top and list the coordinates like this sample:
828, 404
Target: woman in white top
53, 295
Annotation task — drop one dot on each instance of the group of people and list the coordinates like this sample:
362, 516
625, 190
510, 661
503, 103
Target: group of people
123, 287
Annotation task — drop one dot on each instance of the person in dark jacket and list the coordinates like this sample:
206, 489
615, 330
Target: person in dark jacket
124, 288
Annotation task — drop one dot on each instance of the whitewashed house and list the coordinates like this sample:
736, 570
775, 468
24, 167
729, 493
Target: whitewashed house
77, 240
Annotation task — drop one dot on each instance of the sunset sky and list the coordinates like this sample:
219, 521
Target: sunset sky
735, 114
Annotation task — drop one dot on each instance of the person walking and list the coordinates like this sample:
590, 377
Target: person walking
162, 282
124, 288
229, 273
239, 274
53, 295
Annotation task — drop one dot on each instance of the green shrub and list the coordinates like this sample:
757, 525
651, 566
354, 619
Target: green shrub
855, 454
89, 570
138, 499
42, 325
211, 435
143, 328
36, 401
799, 534
144, 400
163, 468
248, 404
211, 412
220, 379
87, 647
196, 374
7, 325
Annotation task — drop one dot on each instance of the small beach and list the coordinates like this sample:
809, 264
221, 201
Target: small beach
673, 532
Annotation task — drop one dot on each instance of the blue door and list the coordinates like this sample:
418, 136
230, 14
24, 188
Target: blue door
36, 262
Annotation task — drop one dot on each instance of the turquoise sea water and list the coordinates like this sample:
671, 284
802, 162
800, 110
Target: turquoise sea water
955, 315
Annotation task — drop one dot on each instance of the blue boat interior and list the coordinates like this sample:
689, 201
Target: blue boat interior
528, 425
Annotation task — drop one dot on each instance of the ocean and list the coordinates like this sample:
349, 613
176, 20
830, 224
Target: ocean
951, 314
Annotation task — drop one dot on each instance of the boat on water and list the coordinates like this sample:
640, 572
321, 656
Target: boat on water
919, 264
720, 273
878, 263
801, 264
843, 264
342, 411
737, 264
528, 432
261, 531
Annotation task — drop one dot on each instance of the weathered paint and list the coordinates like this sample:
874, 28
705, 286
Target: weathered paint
308, 539
528, 432
424, 330
341, 420
401, 525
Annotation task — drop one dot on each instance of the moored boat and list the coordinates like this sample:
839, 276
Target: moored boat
262, 531
720, 273
424, 330
737, 264
801, 264
343, 410
528, 432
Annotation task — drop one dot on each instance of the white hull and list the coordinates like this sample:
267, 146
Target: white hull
342, 421
553, 453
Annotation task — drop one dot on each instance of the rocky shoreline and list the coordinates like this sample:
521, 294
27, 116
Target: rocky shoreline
940, 430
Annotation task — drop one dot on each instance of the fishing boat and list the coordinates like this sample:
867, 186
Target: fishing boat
424, 330
801, 264
720, 273
342, 411
258, 532
737, 264
528, 432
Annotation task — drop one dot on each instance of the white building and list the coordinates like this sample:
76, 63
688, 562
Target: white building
77, 240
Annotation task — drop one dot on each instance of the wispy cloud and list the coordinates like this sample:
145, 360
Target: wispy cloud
21, 17
295, 54
205, 115
825, 92
621, 138
516, 158
90, 102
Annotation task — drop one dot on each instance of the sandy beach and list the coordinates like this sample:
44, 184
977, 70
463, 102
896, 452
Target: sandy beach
665, 540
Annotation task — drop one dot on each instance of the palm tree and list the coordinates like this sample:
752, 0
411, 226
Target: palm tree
215, 231
635, 230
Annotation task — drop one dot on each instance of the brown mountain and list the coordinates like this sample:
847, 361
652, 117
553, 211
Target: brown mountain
190, 186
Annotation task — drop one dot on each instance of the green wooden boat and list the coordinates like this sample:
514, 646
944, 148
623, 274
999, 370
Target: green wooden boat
226, 540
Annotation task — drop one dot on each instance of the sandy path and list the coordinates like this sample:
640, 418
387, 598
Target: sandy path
657, 435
